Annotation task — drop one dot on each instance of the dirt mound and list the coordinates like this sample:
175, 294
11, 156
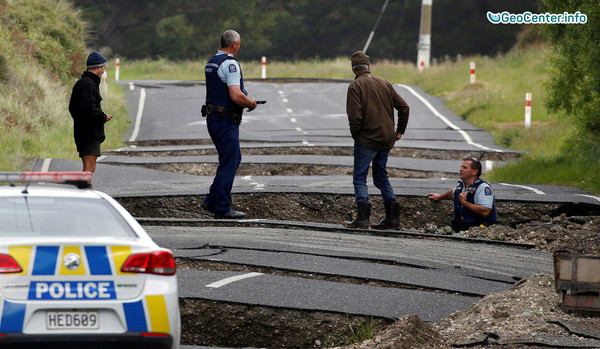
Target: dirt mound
408, 332
527, 315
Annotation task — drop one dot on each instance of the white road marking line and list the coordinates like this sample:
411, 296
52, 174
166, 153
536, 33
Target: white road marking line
537, 191
229, 280
138, 118
256, 185
289, 110
590, 196
293, 119
445, 120
131, 87
298, 129
280, 92
45, 165
285, 100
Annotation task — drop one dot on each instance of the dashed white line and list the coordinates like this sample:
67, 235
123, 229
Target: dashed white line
448, 122
45, 165
284, 100
255, 185
289, 110
229, 280
537, 191
590, 196
293, 119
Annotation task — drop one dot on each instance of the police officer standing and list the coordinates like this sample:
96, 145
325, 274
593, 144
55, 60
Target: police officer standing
473, 198
225, 100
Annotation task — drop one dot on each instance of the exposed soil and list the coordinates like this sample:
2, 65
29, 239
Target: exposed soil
527, 315
548, 226
209, 169
437, 154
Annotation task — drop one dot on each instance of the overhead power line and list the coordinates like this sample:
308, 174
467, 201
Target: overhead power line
375, 27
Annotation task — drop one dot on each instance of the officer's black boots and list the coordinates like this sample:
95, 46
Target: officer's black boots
392, 217
233, 214
362, 219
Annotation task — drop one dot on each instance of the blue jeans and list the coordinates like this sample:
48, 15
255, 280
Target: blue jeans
362, 159
226, 136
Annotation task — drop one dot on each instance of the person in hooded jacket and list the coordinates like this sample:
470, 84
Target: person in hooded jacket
87, 114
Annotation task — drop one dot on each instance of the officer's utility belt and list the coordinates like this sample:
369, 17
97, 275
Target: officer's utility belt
235, 112
211, 109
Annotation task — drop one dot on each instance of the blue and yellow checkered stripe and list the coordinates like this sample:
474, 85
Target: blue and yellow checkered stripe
146, 315
150, 314
47, 260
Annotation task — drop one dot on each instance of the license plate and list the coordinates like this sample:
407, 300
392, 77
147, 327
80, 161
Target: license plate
64, 320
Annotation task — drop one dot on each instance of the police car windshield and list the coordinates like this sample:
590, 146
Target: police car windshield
74, 217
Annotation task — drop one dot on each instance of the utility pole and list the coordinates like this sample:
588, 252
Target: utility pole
424, 47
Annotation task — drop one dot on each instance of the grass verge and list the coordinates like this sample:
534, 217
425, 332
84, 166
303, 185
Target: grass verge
41, 55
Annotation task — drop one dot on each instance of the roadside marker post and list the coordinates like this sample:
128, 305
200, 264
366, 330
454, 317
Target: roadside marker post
472, 72
264, 67
104, 82
528, 110
117, 64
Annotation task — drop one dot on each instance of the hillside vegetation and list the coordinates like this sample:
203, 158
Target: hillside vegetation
42, 53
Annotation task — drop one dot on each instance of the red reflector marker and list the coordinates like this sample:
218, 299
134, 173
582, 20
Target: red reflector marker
154, 334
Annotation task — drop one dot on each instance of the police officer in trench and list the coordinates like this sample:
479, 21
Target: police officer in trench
473, 198
226, 99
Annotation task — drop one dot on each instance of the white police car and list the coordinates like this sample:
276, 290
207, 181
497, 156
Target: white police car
77, 269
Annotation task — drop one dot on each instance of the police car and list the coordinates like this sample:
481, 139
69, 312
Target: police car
77, 268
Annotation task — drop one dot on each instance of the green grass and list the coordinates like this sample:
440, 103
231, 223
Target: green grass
41, 56
357, 333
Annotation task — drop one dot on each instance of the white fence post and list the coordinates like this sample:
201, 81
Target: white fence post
264, 67
117, 69
472, 72
528, 110
104, 82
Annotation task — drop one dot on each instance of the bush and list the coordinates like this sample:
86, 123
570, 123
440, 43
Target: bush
52, 32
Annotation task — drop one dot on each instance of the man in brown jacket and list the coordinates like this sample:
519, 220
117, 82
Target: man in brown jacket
370, 107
